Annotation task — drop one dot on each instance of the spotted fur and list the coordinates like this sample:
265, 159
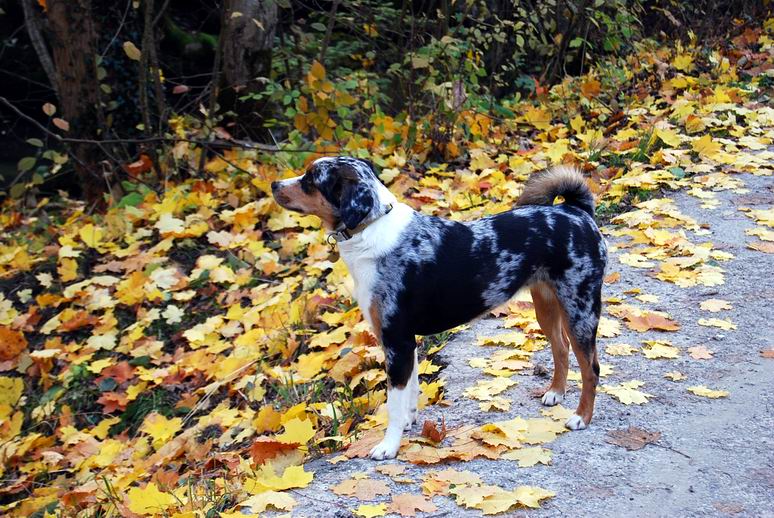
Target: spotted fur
418, 275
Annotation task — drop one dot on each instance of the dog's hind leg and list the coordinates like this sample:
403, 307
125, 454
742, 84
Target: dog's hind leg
582, 322
551, 317
401, 362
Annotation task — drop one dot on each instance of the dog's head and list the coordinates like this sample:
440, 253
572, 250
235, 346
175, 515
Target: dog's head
338, 190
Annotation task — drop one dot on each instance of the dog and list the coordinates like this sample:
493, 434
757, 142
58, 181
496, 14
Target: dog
420, 275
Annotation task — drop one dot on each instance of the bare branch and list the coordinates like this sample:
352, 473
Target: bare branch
34, 30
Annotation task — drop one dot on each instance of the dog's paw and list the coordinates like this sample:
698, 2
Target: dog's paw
385, 450
575, 422
552, 398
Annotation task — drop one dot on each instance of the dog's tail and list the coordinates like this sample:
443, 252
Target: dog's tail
563, 180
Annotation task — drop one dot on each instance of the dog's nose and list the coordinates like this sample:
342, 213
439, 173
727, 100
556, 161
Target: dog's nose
274, 186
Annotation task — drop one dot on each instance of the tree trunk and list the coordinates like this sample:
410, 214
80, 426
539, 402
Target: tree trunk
246, 40
74, 52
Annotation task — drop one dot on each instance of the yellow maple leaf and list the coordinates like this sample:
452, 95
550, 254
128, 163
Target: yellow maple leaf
717, 322
683, 62
531, 496
705, 146
91, 235
620, 349
149, 500
669, 137
512, 339
627, 392
371, 510
160, 428
675, 375
10, 390
297, 431
701, 390
528, 457
279, 501
486, 389
266, 479
608, 328
655, 349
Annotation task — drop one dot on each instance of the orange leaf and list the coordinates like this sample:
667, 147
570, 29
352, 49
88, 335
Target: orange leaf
142, 165
265, 448
120, 372
590, 88
112, 401
362, 489
648, 321
407, 504
79, 320
432, 432
12, 343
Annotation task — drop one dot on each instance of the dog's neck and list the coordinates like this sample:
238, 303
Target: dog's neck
379, 237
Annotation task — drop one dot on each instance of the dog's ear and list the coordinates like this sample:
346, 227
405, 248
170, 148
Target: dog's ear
357, 202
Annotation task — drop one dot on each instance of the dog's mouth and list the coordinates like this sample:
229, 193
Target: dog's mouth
285, 202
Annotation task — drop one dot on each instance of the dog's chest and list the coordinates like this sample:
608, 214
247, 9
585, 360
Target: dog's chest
365, 276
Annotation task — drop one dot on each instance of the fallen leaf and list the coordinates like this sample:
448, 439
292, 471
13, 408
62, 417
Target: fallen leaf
655, 349
260, 502
407, 504
528, 457
149, 500
761, 246
362, 489
647, 321
371, 510
620, 350
632, 438
700, 353
701, 390
391, 470
12, 343
431, 431
715, 305
717, 322
675, 376
627, 392
767, 353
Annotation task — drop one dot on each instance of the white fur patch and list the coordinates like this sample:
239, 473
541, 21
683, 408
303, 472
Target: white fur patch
413, 386
575, 422
552, 398
364, 249
397, 417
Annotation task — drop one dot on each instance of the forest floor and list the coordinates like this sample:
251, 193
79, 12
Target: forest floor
711, 457
196, 349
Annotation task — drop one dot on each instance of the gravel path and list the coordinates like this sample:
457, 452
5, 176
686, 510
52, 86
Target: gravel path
715, 457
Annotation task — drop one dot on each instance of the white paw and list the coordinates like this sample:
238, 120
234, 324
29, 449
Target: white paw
575, 422
386, 449
414, 415
552, 398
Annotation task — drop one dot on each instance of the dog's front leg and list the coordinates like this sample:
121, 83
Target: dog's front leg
400, 357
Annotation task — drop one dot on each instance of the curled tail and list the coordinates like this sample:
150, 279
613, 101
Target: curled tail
563, 180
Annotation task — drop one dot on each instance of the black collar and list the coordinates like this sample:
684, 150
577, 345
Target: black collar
344, 234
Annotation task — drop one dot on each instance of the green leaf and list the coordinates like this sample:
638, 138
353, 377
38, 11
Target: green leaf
26, 163
318, 27
35, 142
131, 200
17, 190
678, 172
